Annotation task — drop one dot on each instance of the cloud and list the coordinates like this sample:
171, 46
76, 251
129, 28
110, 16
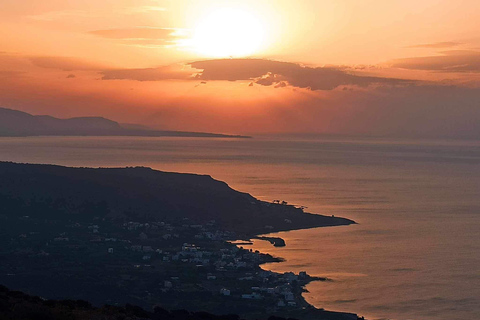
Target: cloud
67, 14
437, 45
64, 63
401, 111
151, 33
147, 37
273, 73
449, 61
255, 71
281, 84
413, 110
62, 15
148, 74
10, 74
145, 9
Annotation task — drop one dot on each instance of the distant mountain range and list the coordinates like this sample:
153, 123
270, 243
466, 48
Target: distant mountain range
15, 123
134, 194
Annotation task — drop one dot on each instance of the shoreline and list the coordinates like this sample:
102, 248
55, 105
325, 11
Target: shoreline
310, 312
168, 238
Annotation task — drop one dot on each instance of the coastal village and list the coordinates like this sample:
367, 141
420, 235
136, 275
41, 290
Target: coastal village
156, 263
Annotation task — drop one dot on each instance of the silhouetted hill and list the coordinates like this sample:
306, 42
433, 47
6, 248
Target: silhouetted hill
143, 194
15, 305
17, 123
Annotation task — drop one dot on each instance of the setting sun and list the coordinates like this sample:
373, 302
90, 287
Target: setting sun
228, 32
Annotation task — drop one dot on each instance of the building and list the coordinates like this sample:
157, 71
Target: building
136, 248
211, 277
147, 249
289, 296
224, 292
290, 276
254, 295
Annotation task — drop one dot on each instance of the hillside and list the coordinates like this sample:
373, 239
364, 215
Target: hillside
15, 123
140, 193
148, 238
17, 305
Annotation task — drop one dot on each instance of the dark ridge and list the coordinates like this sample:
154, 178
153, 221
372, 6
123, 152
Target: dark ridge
144, 194
16, 305
15, 123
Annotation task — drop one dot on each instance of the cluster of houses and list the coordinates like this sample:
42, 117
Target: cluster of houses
170, 231
266, 284
277, 286
224, 261
189, 253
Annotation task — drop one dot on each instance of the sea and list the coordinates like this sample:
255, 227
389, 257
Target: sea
415, 250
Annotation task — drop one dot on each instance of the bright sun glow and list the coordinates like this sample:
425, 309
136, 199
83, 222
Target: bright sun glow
228, 32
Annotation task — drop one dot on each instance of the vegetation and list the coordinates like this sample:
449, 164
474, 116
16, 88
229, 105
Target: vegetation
143, 194
147, 238
15, 305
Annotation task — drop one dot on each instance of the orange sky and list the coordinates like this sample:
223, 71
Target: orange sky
337, 66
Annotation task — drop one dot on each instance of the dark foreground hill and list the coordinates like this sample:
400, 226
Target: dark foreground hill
15, 305
15, 123
143, 194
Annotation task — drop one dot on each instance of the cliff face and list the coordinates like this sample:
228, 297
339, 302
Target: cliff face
145, 194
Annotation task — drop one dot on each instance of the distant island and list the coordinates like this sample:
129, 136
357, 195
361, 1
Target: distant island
148, 238
15, 123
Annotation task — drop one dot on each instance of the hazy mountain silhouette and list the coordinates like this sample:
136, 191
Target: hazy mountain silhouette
16, 123
143, 194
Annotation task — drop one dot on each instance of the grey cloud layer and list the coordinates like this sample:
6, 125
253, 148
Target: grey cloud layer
276, 73
259, 71
147, 74
450, 61
437, 45
64, 63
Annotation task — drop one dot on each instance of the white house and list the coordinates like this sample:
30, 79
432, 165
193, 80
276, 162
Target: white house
224, 292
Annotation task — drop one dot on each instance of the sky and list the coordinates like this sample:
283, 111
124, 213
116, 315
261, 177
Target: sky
356, 67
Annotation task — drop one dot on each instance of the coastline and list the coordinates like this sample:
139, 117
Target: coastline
140, 243
309, 311
375, 223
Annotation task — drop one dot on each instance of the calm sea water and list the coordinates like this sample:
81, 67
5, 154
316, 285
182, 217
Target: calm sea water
415, 253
